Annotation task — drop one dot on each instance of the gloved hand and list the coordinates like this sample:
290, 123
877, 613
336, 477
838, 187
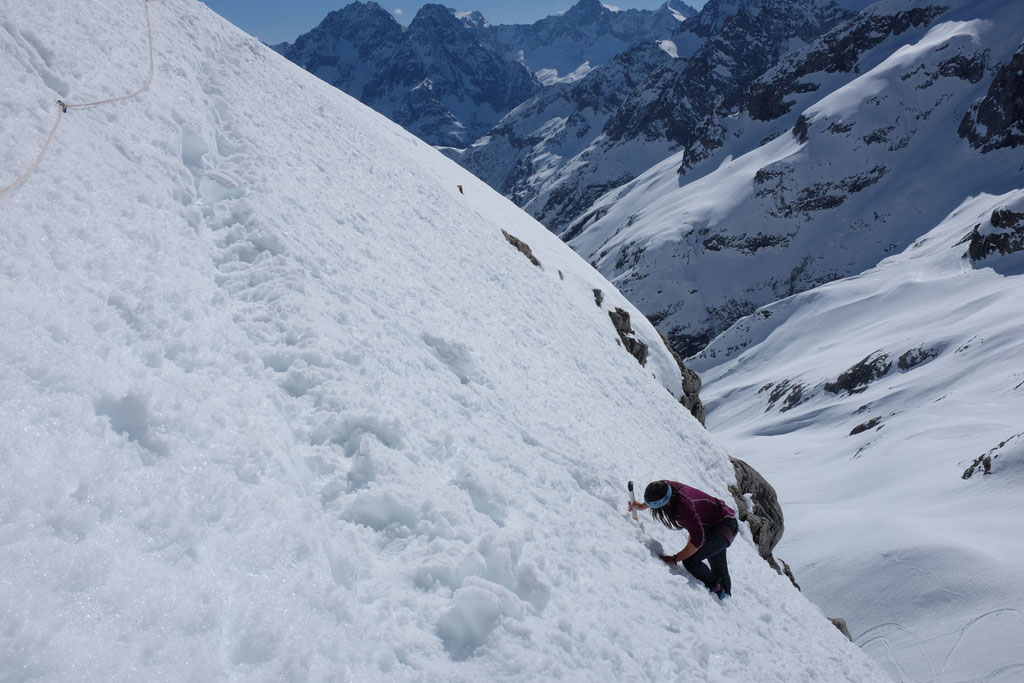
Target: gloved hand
668, 559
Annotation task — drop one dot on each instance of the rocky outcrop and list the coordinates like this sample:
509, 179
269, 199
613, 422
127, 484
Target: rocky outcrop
791, 394
1004, 234
523, 248
636, 348
766, 524
758, 506
858, 377
997, 121
691, 393
984, 462
691, 386
914, 357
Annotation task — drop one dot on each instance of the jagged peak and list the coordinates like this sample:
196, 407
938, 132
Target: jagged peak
679, 9
360, 11
587, 10
434, 17
435, 11
471, 19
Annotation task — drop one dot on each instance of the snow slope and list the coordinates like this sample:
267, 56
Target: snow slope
880, 526
279, 402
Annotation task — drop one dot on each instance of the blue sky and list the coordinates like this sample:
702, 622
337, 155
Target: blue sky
275, 21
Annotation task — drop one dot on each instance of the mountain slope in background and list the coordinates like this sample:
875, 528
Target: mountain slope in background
434, 78
865, 402
451, 75
867, 156
538, 137
719, 54
566, 46
281, 402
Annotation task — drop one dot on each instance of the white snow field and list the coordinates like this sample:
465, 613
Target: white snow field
880, 526
278, 402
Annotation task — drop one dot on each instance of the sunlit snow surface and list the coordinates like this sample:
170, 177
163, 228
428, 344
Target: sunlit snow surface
880, 526
280, 403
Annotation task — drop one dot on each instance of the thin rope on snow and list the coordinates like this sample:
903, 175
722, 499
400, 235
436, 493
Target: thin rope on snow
62, 107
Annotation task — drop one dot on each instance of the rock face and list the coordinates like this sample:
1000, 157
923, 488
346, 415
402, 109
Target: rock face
1004, 235
435, 78
349, 46
998, 120
635, 347
691, 387
857, 378
765, 516
523, 248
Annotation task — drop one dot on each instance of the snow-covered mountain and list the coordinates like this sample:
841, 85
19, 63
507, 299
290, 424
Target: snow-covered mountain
538, 137
280, 400
452, 75
566, 46
843, 154
435, 78
719, 54
886, 410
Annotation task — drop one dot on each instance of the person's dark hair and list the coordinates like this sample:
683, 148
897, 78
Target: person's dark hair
666, 515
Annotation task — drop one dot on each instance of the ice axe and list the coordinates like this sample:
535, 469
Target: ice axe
632, 499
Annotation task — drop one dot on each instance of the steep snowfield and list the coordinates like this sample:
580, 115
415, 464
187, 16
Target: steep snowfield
880, 526
280, 403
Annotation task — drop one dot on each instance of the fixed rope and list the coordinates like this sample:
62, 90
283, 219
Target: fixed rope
63, 107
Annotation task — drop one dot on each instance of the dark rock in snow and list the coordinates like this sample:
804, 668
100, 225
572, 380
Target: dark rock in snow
636, 348
998, 120
858, 377
793, 392
914, 357
523, 248
1004, 235
864, 426
691, 386
765, 517
985, 461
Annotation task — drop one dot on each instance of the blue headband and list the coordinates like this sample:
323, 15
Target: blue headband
654, 505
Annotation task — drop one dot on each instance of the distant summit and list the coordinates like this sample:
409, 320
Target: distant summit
451, 75
435, 78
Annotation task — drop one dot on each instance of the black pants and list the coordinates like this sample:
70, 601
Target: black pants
713, 551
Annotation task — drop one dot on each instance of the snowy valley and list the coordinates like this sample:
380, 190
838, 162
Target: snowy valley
289, 395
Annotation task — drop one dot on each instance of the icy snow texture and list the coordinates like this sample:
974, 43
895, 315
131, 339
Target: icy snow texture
280, 403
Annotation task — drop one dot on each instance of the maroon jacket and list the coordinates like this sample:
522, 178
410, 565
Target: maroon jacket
696, 511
